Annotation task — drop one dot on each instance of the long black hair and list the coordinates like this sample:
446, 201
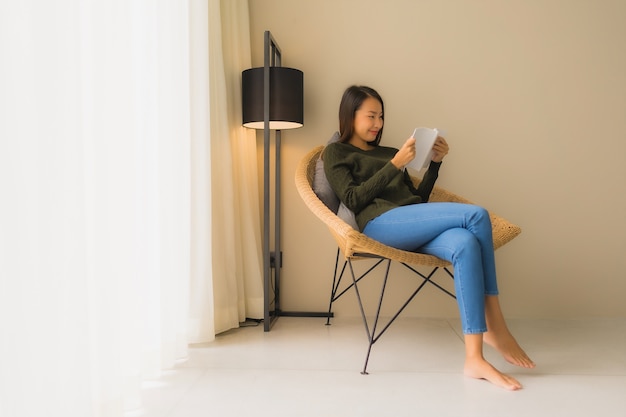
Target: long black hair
351, 101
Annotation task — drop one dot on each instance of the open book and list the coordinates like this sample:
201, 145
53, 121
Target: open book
424, 141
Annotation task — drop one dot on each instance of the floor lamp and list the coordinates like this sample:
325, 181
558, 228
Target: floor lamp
272, 99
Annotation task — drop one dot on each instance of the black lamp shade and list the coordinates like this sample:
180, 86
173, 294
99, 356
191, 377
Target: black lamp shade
286, 98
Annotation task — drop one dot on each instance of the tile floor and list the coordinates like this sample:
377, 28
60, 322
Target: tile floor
304, 368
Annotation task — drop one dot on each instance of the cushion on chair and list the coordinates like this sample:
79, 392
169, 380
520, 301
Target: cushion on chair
347, 215
324, 192
321, 186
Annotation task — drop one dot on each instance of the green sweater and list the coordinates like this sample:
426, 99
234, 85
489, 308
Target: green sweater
369, 184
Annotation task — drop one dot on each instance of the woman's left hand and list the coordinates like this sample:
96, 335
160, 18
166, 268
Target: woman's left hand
440, 149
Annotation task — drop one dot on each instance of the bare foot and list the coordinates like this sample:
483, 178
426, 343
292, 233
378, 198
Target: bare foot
479, 368
508, 347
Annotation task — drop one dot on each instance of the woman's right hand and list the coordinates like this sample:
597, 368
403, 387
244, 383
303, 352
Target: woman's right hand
405, 154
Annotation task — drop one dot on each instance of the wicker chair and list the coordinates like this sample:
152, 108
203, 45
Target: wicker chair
354, 245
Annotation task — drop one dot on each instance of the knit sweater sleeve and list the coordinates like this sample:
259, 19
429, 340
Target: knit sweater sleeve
425, 187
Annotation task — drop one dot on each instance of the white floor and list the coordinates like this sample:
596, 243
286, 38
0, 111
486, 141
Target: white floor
304, 368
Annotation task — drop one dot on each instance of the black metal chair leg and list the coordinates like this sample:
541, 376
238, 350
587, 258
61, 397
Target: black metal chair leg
333, 290
367, 358
358, 297
371, 335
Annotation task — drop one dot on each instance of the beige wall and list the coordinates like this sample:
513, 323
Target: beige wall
532, 95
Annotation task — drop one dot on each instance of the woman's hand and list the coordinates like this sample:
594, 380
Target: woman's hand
405, 154
440, 149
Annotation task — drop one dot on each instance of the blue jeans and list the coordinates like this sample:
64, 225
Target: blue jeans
458, 233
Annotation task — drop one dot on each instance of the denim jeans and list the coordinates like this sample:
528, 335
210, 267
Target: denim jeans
458, 233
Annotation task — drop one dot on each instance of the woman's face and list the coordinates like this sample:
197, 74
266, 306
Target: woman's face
368, 120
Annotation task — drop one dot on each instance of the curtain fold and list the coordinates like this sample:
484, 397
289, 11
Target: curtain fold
201, 325
235, 234
237, 58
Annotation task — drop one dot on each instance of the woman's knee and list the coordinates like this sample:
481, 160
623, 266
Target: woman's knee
479, 215
454, 245
459, 241
478, 211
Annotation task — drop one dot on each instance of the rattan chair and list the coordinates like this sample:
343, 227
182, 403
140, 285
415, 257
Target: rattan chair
354, 245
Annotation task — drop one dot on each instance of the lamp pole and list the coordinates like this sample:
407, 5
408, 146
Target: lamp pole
271, 57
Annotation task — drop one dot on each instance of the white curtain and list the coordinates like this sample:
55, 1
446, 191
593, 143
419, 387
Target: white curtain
98, 118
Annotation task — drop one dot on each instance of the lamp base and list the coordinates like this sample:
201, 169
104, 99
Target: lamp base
306, 314
276, 314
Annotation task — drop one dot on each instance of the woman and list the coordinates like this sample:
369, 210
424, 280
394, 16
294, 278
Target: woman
371, 181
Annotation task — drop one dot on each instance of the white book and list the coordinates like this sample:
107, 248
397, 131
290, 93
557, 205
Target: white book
424, 141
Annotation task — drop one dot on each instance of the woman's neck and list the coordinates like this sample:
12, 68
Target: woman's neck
357, 142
